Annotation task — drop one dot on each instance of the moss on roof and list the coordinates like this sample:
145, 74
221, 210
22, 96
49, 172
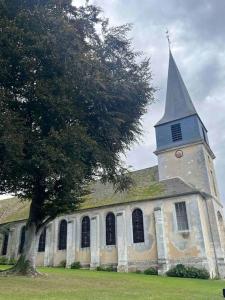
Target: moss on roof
146, 186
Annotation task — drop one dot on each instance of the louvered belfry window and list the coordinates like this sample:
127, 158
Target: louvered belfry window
62, 235
5, 244
110, 229
22, 239
85, 232
176, 132
181, 213
138, 227
42, 239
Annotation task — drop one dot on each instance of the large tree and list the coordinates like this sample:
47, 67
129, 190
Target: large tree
72, 92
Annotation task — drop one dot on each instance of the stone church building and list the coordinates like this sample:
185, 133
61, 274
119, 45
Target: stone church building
173, 214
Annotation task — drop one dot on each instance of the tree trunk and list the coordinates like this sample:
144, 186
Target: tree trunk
26, 265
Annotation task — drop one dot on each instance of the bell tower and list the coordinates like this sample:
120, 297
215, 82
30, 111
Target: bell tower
183, 148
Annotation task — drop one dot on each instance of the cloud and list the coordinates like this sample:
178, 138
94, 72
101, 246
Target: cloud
197, 35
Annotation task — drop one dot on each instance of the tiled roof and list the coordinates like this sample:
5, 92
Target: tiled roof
146, 187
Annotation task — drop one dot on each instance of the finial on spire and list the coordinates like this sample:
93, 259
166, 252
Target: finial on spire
168, 38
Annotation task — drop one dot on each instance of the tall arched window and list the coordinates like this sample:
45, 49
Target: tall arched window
85, 232
110, 229
41, 245
22, 239
5, 244
138, 227
62, 235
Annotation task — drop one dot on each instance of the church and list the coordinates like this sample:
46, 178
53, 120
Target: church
172, 214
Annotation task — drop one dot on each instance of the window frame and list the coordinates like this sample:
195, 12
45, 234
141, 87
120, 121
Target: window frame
22, 239
5, 244
186, 228
62, 235
42, 241
176, 132
85, 234
110, 230
138, 230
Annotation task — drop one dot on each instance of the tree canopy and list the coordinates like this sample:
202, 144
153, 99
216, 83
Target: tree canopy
72, 94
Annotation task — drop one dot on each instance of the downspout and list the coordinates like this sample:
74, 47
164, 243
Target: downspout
211, 233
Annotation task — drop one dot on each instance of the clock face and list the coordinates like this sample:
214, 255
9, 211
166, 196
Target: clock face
179, 153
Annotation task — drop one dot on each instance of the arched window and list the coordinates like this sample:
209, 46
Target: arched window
138, 227
62, 235
22, 239
85, 232
41, 245
110, 229
5, 244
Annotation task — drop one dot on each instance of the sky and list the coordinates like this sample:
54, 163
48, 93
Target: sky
198, 44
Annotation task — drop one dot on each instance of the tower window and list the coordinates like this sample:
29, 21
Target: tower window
181, 213
176, 132
204, 135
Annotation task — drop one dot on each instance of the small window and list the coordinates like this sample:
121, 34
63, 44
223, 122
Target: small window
5, 244
85, 232
204, 135
182, 221
22, 239
62, 235
41, 245
110, 229
138, 226
176, 132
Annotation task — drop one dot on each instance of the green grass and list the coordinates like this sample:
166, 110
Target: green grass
63, 284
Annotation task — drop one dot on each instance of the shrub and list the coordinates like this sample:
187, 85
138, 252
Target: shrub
3, 260
151, 271
62, 264
12, 261
75, 265
138, 272
188, 272
107, 269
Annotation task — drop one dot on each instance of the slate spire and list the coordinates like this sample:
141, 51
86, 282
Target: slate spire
178, 101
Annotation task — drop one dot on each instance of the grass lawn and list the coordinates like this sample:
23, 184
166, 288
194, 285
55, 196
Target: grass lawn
65, 284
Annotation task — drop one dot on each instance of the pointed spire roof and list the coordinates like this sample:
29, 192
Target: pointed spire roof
178, 101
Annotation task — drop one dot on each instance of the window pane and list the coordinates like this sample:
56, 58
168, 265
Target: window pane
5, 244
138, 228
62, 235
110, 229
22, 239
182, 221
85, 232
41, 245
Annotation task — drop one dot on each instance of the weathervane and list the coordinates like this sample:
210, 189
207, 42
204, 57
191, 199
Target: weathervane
168, 38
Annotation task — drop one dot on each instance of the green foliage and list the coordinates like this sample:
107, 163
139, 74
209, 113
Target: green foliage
12, 261
107, 269
62, 264
3, 260
151, 271
71, 100
76, 265
188, 272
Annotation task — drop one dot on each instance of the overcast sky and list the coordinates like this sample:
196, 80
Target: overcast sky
197, 30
